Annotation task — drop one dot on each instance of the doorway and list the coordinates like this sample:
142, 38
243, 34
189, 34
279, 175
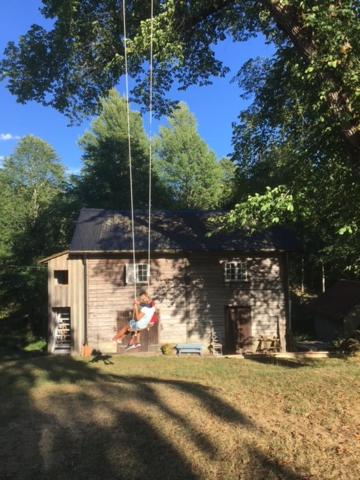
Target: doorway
238, 337
62, 330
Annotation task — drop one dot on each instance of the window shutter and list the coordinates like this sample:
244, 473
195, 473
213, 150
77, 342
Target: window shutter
130, 280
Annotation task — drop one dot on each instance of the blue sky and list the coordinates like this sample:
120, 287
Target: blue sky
215, 106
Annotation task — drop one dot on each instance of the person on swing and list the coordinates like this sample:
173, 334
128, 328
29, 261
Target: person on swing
143, 312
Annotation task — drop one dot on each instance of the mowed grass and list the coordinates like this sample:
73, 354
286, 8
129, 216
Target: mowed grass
178, 418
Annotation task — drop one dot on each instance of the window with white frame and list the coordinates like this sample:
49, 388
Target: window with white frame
141, 271
235, 271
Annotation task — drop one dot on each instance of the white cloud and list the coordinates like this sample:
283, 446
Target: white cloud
8, 136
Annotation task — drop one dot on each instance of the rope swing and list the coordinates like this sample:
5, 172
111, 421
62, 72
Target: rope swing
129, 142
150, 135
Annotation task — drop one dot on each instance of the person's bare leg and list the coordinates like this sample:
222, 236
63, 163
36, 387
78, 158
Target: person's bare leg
121, 333
133, 338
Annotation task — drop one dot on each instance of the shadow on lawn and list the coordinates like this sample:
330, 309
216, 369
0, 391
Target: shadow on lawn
96, 433
283, 362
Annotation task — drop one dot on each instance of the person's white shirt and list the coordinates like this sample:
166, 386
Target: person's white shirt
148, 314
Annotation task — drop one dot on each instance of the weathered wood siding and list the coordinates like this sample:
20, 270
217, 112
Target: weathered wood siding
77, 301
191, 294
70, 295
58, 294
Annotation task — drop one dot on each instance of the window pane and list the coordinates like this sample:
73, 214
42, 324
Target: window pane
235, 271
142, 272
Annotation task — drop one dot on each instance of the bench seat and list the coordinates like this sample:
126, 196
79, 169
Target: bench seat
189, 348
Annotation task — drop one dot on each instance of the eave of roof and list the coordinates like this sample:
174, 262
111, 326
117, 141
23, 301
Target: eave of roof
55, 255
157, 252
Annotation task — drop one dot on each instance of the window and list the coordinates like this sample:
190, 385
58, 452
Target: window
236, 271
141, 270
61, 277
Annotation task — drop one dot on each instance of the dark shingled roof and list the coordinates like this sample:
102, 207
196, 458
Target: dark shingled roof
186, 231
338, 300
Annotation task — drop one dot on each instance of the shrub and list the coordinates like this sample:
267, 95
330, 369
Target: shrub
349, 345
36, 346
167, 348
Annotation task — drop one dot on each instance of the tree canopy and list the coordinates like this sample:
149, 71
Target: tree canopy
34, 176
296, 147
75, 62
186, 166
104, 181
33, 222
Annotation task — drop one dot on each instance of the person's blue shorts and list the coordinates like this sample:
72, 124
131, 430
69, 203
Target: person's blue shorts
134, 325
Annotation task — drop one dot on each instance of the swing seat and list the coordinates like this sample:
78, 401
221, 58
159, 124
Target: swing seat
182, 348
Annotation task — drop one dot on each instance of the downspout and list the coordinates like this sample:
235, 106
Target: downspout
85, 300
288, 292
288, 340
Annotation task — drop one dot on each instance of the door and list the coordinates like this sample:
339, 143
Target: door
62, 331
237, 329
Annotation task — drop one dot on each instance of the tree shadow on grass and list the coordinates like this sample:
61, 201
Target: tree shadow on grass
268, 468
282, 362
91, 424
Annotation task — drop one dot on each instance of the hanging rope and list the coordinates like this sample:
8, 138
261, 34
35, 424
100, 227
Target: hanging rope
150, 135
129, 142
129, 147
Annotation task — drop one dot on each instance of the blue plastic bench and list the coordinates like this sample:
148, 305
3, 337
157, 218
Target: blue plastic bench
188, 348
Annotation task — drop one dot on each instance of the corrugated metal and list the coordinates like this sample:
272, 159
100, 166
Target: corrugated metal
186, 231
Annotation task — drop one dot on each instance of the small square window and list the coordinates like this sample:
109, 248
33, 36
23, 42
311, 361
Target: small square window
61, 277
142, 273
235, 271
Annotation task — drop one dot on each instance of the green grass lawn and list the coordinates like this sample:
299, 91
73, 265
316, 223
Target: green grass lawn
178, 418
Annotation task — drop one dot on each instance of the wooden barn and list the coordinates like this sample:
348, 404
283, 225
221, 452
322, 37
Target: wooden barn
230, 284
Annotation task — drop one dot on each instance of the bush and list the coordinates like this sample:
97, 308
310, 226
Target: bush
36, 346
167, 348
349, 345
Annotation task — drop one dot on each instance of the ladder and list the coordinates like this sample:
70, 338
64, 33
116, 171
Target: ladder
62, 332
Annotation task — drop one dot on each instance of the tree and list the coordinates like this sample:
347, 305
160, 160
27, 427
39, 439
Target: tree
283, 140
105, 179
6, 217
319, 203
33, 174
81, 56
32, 225
34, 179
185, 165
301, 135
228, 182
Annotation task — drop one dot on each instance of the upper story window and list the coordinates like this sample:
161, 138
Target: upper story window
61, 277
235, 271
142, 273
